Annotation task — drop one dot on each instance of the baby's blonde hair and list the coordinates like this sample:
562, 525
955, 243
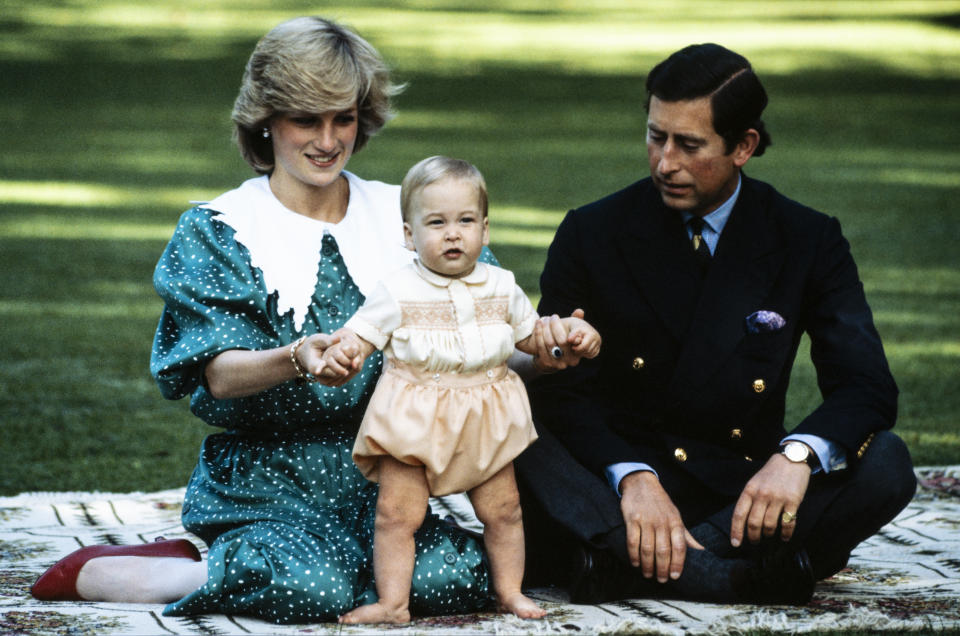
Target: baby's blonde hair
436, 168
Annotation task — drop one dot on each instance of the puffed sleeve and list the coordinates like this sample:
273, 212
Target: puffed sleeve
522, 316
213, 301
377, 318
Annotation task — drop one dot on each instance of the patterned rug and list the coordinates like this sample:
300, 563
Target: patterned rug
906, 578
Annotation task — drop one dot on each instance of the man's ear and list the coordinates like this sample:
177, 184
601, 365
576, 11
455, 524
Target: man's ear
408, 237
746, 147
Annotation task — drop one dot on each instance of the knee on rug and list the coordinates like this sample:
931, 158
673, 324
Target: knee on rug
886, 472
258, 575
449, 581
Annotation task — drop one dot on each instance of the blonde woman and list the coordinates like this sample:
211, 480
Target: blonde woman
253, 282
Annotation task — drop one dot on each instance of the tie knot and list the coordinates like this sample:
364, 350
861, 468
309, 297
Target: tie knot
697, 224
700, 248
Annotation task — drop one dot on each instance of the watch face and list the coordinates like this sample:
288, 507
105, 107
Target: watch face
796, 452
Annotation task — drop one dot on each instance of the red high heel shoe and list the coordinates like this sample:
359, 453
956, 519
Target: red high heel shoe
59, 583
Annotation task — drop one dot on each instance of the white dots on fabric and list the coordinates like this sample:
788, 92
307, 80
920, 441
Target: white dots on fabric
276, 496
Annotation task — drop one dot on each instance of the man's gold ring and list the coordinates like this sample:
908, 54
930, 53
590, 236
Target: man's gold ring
788, 517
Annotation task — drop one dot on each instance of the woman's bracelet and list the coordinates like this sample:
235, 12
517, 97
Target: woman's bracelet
302, 375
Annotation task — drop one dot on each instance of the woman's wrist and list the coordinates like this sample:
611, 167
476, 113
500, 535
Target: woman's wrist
238, 373
303, 376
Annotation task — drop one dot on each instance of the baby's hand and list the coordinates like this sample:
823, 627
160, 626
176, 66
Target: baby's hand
344, 357
583, 338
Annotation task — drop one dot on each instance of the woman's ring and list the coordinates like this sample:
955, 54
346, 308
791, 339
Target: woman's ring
788, 517
556, 352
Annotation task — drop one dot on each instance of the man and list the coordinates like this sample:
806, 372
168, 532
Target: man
664, 465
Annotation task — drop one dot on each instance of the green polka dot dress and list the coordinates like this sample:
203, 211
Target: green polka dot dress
287, 516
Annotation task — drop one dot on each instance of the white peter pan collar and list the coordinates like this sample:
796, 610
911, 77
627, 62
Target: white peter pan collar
478, 276
286, 246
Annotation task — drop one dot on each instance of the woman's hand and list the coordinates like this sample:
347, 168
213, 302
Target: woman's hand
343, 358
311, 355
239, 372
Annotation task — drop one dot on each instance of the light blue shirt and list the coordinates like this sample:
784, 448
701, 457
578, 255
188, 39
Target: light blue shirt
831, 456
714, 222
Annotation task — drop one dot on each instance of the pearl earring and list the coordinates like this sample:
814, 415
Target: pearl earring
266, 133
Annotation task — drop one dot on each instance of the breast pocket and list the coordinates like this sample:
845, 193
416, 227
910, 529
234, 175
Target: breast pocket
766, 347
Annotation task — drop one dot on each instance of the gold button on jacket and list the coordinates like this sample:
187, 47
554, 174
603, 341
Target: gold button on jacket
736, 433
759, 385
680, 455
638, 363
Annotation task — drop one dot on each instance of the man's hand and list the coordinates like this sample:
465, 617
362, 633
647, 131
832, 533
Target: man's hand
777, 488
657, 540
550, 333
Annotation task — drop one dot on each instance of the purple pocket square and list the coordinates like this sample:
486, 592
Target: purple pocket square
764, 321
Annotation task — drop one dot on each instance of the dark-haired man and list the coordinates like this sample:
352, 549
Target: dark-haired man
664, 464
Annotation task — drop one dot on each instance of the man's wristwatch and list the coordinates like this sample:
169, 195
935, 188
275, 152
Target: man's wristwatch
797, 452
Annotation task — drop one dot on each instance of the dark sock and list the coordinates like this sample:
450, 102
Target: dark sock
708, 577
712, 539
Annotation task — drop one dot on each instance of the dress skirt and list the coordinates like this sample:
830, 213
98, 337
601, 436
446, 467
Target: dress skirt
461, 427
290, 522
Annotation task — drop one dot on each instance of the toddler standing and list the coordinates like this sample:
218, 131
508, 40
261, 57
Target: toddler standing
447, 414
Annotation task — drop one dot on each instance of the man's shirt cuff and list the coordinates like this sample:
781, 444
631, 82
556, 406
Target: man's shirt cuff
832, 456
616, 472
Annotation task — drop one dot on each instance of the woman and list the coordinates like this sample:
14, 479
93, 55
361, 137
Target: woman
252, 283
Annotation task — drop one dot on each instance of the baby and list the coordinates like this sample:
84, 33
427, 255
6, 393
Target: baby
447, 414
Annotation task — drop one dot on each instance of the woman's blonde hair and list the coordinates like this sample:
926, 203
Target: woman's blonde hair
433, 169
309, 65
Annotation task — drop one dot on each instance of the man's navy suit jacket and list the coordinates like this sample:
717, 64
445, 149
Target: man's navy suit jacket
680, 383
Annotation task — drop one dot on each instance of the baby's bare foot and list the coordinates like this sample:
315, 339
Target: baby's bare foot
522, 606
375, 613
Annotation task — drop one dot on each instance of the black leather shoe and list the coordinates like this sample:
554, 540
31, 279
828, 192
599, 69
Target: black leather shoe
782, 577
598, 577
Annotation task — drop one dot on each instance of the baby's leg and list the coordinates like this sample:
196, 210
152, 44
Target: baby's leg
401, 508
497, 505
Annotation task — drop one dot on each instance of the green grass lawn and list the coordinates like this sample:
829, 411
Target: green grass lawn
116, 114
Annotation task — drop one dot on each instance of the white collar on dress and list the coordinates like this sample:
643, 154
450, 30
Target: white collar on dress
479, 275
285, 246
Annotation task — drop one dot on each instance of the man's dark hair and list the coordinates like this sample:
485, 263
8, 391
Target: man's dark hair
710, 70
